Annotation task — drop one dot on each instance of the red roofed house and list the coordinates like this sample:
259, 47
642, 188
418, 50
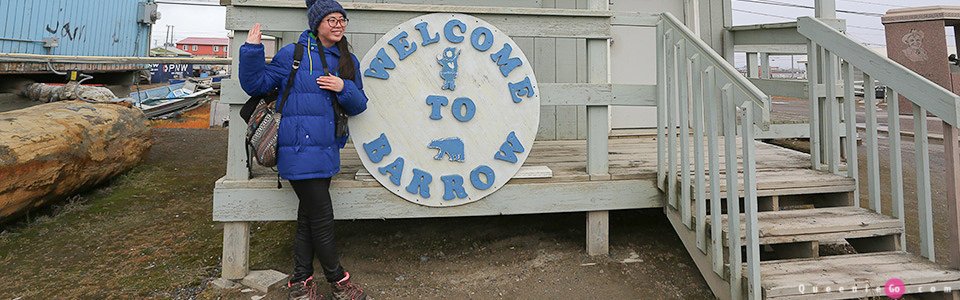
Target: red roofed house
219, 47
202, 46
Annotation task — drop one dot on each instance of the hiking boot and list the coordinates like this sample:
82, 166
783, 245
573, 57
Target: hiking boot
346, 290
303, 290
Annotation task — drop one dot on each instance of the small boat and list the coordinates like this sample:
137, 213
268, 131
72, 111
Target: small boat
160, 102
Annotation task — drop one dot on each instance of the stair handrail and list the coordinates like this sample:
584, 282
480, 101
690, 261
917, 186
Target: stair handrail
918, 89
826, 46
695, 81
760, 99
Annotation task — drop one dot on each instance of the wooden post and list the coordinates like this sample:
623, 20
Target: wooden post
750, 204
832, 116
922, 163
952, 160
873, 152
236, 154
729, 110
236, 250
598, 129
661, 105
236, 235
598, 117
812, 81
850, 113
598, 232
753, 68
826, 9
765, 66
683, 80
896, 161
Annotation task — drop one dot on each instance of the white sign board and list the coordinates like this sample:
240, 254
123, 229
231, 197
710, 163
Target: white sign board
453, 111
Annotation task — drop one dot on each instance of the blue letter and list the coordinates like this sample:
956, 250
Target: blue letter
425, 36
436, 102
487, 39
503, 59
475, 177
522, 88
448, 31
453, 186
378, 64
404, 48
507, 149
420, 184
377, 148
395, 169
458, 111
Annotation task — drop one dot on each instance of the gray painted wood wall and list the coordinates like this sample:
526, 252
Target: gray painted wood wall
554, 60
563, 60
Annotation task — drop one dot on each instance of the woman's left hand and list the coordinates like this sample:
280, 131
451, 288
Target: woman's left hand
330, 82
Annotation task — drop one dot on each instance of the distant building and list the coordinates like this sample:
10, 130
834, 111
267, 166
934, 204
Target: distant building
204, 46
219, 47
169, 52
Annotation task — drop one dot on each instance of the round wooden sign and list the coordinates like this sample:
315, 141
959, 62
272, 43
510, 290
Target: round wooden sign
453, 111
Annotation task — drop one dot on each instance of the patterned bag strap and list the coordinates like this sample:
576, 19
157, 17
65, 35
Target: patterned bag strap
297, 57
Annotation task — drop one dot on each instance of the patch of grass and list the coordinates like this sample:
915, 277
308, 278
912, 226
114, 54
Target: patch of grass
145, 234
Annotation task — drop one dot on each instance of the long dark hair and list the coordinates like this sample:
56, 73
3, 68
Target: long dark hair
346, 67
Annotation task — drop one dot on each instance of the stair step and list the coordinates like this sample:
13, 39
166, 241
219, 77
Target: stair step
818, 224
779, 182
865, 272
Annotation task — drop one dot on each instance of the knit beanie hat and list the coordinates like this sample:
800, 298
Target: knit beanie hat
317, 9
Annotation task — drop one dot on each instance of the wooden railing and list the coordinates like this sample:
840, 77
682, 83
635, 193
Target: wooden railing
690, 72
826, 47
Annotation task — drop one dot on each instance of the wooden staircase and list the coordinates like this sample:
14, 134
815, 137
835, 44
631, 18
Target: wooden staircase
814, 243
800, 229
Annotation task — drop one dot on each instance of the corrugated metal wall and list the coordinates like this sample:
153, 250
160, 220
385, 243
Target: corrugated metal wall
84, 27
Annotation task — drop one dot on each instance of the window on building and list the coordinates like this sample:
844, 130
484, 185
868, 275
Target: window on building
226, 49
216, 48
185, 48
195, 47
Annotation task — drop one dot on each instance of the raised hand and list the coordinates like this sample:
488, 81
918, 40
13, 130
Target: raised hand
254, 36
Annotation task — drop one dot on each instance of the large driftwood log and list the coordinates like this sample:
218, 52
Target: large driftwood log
51, 151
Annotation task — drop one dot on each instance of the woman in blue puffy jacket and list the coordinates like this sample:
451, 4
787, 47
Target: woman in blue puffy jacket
308, 149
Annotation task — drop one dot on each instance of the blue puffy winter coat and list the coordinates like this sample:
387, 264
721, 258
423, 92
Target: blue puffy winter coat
307, 146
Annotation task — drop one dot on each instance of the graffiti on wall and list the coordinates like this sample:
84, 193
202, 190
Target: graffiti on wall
68, 31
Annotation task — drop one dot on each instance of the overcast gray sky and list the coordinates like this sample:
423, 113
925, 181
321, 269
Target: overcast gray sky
189, 21
866, 29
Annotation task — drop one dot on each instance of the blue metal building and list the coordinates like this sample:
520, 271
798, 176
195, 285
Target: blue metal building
70, 27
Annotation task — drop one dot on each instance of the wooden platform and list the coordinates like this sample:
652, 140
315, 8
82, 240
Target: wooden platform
631, 184
819, 224
865, 272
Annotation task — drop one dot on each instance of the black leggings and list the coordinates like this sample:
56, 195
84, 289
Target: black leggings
315, 231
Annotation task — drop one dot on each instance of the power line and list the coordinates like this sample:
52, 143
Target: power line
763, 14
785, 4
789, 18
874, 3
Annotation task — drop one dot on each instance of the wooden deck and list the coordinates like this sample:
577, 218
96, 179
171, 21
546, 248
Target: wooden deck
858, 275
631, 184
